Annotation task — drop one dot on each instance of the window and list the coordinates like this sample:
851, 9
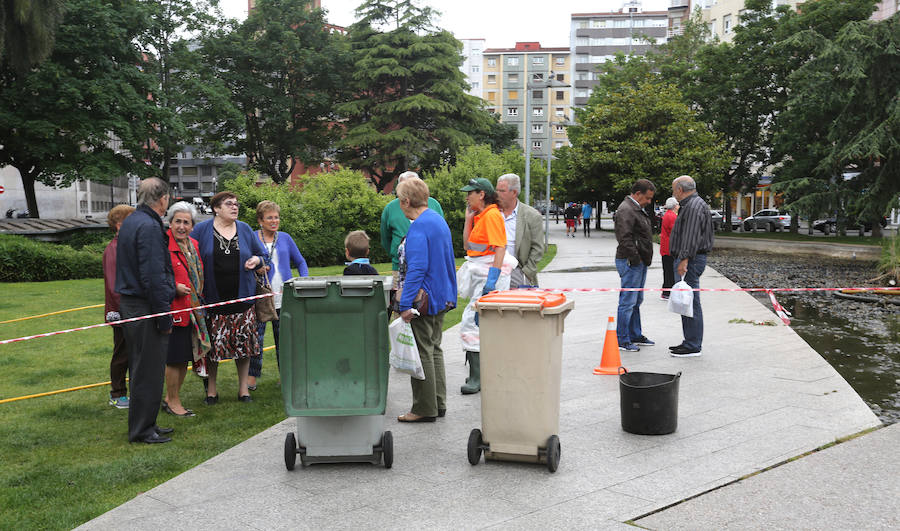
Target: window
173, 171
537, 60
560, 111
581, 93
560, 95
474, 85
537, 144
598, 24
726, 24
538, 128
537, 94
476, 69
582, 24
190, 185
537, 111
492, 110
560, 61
513, 94
561, 78
560, 129
512, 111
558, 144
712, 28
206, 171
537, 78
492, 79
583, 41
583, 76
582, 58
513, 78
492, 61
492, 95
512, 61
189, 172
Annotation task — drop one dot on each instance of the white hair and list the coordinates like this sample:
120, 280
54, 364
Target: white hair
512, 179
182, 206
685, 183
670, 203
407, 175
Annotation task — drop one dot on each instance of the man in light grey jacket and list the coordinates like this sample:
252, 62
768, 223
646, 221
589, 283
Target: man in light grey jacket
524, 233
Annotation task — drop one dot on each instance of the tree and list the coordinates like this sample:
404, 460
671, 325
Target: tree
643, 132
27, 31
801, 128
499, 136
865, 133
734, 89
286, 72
83, 113
409, 107
190, 97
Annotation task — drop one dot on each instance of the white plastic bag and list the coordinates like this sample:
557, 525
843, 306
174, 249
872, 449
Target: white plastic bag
404, 351
681, 302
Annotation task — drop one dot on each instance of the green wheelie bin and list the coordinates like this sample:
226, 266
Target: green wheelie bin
334, 369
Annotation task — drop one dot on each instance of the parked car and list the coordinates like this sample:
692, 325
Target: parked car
828, 225
769, 220
543, 209
718, 219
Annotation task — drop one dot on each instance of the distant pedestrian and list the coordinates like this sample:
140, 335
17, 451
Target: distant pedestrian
691, 241
118, 365
586, 212
356, 249
633, 256
524, 233
571, 214
146, 285
668, 221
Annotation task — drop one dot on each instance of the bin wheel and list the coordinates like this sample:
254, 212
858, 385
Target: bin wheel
290, 451
387, 449
474, 448
553, 453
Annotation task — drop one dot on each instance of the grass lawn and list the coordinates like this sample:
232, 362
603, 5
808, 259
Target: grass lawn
66, 458
803, 237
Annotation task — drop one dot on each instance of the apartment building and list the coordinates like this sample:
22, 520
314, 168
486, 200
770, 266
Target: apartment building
530, 85
472, 64
596, 37
195, 174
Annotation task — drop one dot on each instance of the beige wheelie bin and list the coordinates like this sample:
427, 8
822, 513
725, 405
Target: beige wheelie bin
521, 356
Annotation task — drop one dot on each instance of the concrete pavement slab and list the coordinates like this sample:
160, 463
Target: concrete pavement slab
757, 396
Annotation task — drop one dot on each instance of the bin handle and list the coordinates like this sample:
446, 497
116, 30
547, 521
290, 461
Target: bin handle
623, 370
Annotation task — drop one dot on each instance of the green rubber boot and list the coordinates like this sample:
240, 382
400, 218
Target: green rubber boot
473, 382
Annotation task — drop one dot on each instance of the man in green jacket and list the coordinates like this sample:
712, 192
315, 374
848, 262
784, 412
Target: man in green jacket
394, 224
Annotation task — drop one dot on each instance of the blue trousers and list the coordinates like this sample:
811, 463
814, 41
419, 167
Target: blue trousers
628, 320
692, 327
256, 362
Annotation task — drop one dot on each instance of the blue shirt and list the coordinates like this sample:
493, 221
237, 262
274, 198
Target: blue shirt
429, 263
586, 211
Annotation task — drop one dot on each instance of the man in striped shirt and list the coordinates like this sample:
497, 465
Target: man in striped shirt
689, 243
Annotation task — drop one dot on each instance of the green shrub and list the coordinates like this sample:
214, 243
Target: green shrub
889, 265
92, 239
475, 161
320, 212
25, 260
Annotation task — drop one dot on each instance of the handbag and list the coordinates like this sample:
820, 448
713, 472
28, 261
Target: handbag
420, 303
265, 306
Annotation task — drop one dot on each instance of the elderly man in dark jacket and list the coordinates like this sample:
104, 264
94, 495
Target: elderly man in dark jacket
146, 285
633, 257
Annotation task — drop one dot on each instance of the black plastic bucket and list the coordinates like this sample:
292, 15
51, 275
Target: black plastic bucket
649, 402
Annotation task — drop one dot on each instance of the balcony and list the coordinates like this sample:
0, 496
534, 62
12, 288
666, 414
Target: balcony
674, 4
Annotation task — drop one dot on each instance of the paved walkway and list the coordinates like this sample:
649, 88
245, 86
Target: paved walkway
758, 396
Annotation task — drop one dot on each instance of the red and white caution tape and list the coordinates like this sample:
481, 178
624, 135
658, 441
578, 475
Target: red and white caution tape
132, 319
782, 313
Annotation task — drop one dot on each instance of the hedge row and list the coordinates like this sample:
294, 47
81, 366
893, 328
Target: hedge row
25, 260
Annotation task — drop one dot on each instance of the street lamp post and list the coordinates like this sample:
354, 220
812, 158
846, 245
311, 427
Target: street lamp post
552, 82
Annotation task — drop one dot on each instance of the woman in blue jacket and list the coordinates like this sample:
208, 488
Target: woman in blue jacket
283, 255
231, 255
428, 284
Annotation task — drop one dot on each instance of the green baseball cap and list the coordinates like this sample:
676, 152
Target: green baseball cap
478, 184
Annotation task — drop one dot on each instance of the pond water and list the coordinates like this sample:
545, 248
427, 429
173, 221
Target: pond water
860, 340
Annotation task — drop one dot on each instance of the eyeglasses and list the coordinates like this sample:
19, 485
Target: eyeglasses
234, 204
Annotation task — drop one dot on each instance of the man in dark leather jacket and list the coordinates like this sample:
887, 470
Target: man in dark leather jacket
633, 257
146, 285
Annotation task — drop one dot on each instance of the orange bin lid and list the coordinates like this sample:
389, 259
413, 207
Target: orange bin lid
541, 299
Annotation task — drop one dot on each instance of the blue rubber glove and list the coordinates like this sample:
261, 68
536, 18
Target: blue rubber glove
491, 284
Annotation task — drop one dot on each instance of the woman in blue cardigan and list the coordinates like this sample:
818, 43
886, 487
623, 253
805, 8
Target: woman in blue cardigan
231, 254
283, 255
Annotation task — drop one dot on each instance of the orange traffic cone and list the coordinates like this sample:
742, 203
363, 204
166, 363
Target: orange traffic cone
610, 361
